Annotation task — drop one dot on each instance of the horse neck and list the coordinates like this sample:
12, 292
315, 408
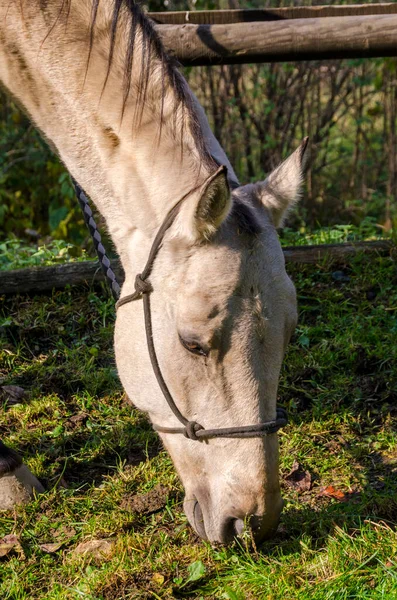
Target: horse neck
56, 64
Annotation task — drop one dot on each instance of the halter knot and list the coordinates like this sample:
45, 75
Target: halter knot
190, 430
282, 415
142, 286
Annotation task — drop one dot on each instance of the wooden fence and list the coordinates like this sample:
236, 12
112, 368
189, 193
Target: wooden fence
214, 17
40, 279
279, 34
244, 36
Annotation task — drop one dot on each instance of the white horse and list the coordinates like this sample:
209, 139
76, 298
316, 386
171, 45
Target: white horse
94, 78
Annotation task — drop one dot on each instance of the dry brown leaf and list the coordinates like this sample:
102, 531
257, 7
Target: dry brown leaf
10, 543
95, 548
299, 479
331, 492
79, 418
51, 547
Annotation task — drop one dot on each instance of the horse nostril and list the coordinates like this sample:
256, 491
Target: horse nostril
251, 524
239, 526
231, 529
199, 520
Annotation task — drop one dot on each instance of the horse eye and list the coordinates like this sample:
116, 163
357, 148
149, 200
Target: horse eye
193, 347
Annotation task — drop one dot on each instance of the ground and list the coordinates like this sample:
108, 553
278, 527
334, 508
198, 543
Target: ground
110, 482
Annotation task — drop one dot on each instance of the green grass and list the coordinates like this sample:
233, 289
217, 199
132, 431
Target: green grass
17, 254
367, 230
96, 455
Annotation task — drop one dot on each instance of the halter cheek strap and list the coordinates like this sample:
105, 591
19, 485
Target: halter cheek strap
191, 429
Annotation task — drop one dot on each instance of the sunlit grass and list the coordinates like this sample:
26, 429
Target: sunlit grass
93, 451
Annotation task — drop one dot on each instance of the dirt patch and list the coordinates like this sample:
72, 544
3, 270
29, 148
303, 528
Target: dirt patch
146, 504
77, 420
138, 455
298, 479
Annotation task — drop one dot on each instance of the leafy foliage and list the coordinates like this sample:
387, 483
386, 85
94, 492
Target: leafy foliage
366, 230
16, 254
35, 191
260, 113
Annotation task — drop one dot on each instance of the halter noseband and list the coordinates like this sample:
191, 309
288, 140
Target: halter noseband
191, 429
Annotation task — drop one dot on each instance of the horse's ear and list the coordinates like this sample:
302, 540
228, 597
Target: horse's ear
283, 186
202, 214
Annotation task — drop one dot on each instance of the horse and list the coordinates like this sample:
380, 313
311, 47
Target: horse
207, 308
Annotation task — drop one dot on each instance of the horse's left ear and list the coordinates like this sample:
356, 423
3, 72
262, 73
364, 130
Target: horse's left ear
202, 214
283, 186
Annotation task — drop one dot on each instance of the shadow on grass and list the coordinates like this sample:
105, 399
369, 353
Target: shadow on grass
61, 350
317, 516
79, 457
90, 443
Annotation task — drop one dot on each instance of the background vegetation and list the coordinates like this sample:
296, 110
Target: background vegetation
259, 113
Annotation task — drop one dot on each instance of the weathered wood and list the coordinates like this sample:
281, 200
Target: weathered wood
284, 40
214, 17
37, 279
314, 254
41, 279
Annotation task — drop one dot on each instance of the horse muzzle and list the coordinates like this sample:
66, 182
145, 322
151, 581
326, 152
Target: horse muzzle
229, 522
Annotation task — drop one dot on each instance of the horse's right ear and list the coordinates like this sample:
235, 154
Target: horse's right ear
283, 187
202, 214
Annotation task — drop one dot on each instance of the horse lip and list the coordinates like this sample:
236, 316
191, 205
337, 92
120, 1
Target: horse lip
198, 520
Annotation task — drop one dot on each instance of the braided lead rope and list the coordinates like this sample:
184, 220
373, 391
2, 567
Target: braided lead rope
96, 237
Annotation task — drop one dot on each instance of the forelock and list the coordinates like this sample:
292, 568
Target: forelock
244, 217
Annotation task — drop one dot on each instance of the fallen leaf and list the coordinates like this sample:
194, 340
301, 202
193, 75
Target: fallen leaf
11, 394
11, 543
331, 492
51, 547
299, 479
78, 419
63, 532
95, 548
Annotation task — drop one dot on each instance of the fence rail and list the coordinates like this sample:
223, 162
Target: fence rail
40, 279
282, 40
221, 17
